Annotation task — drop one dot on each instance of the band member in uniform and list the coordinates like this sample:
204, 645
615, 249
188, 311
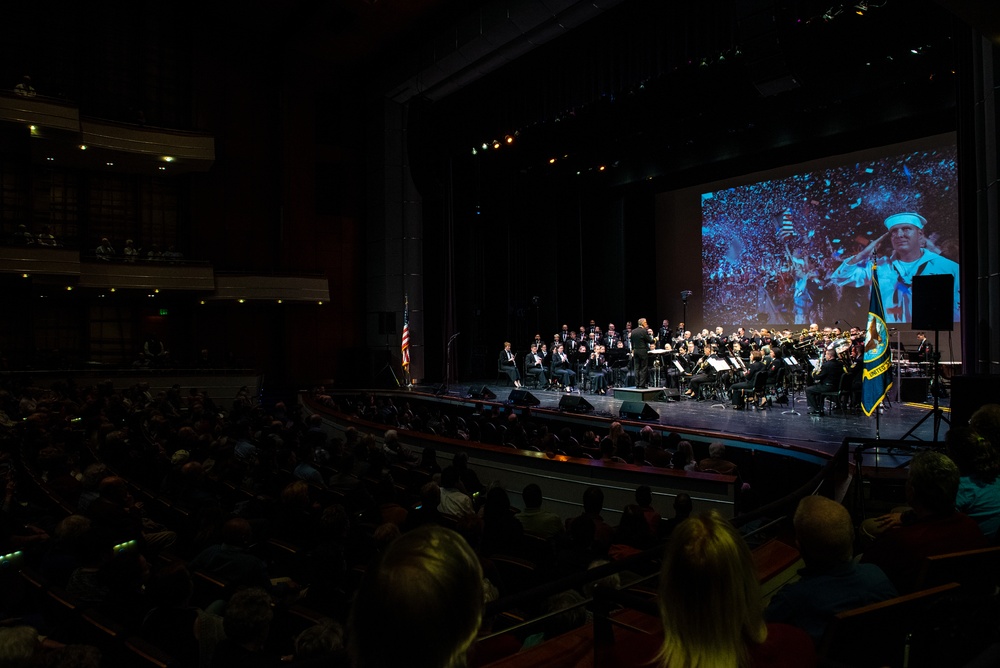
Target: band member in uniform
827, 379
924, 348
641, 340
508, 364
611, 339
535, 367
739, 390
561, 368
663, 336
703, 373
597, 367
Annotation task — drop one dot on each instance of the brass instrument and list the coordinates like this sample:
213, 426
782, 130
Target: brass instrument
700, 365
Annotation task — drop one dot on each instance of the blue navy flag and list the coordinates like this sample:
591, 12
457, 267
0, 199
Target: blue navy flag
876, 379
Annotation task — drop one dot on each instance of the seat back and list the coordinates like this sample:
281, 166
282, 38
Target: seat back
978, 571
877, 634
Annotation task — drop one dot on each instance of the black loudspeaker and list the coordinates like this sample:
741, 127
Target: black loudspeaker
522, 398
914, 389
440, 389
637, 410
969, 393
574, 404
487, 394
934, 302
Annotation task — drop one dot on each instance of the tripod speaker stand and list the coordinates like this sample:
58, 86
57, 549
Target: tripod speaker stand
933, 308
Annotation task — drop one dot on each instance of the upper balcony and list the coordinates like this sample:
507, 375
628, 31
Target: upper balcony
59, 134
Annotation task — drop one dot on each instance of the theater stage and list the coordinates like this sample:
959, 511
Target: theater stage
777, 423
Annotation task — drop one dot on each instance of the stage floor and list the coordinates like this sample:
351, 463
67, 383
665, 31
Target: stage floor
809, 432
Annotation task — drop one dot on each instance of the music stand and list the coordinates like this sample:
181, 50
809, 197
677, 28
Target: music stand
790, 363
388, 362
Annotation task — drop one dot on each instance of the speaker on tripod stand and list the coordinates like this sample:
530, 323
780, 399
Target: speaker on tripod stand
933, 308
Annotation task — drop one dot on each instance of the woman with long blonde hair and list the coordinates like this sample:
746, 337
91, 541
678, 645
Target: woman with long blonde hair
711, 607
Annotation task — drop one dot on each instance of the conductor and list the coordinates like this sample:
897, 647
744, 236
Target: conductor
641, 338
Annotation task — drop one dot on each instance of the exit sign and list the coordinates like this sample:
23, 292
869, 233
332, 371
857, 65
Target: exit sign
163, 311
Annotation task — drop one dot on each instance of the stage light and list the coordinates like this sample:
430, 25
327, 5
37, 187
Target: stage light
861, 8
552, 161
83, 147
69, 288
240, 301
168, 158
509, 139
601, 168
113, 289
485, 146
496, 144
474, 151
24, 275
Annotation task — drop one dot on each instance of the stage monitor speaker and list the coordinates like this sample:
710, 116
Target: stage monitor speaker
914, 389
934, 302
970, 392
440, 389
487, 394
520, 397
637, 410
575, 404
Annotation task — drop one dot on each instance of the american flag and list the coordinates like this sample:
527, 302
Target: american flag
406, 333
787, 225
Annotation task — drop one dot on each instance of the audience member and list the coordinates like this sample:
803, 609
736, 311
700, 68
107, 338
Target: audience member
467, 476
427, 511
130, 252
683, 507
45, 237
230, 560
683, 457
986, 421
501, 530
454, 501
105, 251
321, 645
710, 604
644, 499
633, 533
421, 606
171, 620
534, 519
24, 87
18, 646
931, 526
247, 623
831, 581
978, 487
593, 504
716, 461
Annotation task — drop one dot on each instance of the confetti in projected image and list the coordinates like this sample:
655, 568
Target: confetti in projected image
799, 250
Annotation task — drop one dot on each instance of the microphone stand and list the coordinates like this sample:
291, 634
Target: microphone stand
447, 357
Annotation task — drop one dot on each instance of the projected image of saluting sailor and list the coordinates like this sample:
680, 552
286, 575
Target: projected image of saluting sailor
912, 255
